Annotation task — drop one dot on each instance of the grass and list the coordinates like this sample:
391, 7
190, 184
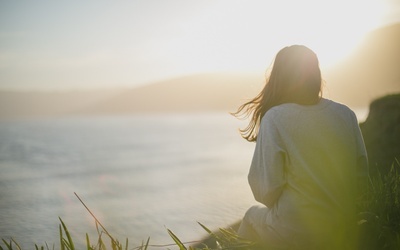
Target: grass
379, 224
380, 211
227, 239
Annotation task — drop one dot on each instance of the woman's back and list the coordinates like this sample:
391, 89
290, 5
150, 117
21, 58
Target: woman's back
319, 145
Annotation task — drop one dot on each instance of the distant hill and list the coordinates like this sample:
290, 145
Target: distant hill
38, 104
373, 70
195, 93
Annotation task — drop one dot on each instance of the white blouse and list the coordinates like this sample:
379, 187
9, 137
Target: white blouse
305, 168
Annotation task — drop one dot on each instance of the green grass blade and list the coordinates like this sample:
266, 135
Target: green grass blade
9, 247
62, 247
16, 243
47, 246
177, 240
147, 243
217, 239
70, 242
88, 242
100, 242
205, 228
66, 244
114, 245
126, 244
228, 233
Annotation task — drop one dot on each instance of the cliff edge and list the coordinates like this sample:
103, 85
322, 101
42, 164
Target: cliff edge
381, 131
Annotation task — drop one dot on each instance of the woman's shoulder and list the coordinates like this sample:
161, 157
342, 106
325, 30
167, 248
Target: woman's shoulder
341, 108
294, 110
322, 104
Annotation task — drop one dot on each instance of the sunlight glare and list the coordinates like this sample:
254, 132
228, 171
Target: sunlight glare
251, 40
345, 31
332, 29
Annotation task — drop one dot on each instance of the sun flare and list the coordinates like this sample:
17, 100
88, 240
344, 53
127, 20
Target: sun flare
250, 40
332, 29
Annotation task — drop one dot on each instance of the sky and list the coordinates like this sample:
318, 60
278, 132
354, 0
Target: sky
52, 45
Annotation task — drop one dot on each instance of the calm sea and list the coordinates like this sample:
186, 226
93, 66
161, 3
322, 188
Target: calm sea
138, 174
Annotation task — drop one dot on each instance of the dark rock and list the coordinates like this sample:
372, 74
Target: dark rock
381, 132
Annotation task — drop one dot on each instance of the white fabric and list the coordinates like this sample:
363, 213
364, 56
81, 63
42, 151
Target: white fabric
304, 170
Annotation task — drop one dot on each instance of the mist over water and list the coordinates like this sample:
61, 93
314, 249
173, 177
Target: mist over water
138, 174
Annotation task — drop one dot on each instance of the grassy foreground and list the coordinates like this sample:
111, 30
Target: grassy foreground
379, 224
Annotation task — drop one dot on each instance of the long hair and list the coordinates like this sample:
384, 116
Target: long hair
295, 78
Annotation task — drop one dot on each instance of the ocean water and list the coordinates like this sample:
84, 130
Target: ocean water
140, 175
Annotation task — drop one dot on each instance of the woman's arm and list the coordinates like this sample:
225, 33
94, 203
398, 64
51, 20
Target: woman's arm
266, 176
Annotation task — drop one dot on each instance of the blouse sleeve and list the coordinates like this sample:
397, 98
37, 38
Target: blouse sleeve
266, 176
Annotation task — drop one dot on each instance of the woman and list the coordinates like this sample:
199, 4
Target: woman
308, 158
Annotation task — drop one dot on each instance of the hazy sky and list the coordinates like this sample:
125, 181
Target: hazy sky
86, 44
